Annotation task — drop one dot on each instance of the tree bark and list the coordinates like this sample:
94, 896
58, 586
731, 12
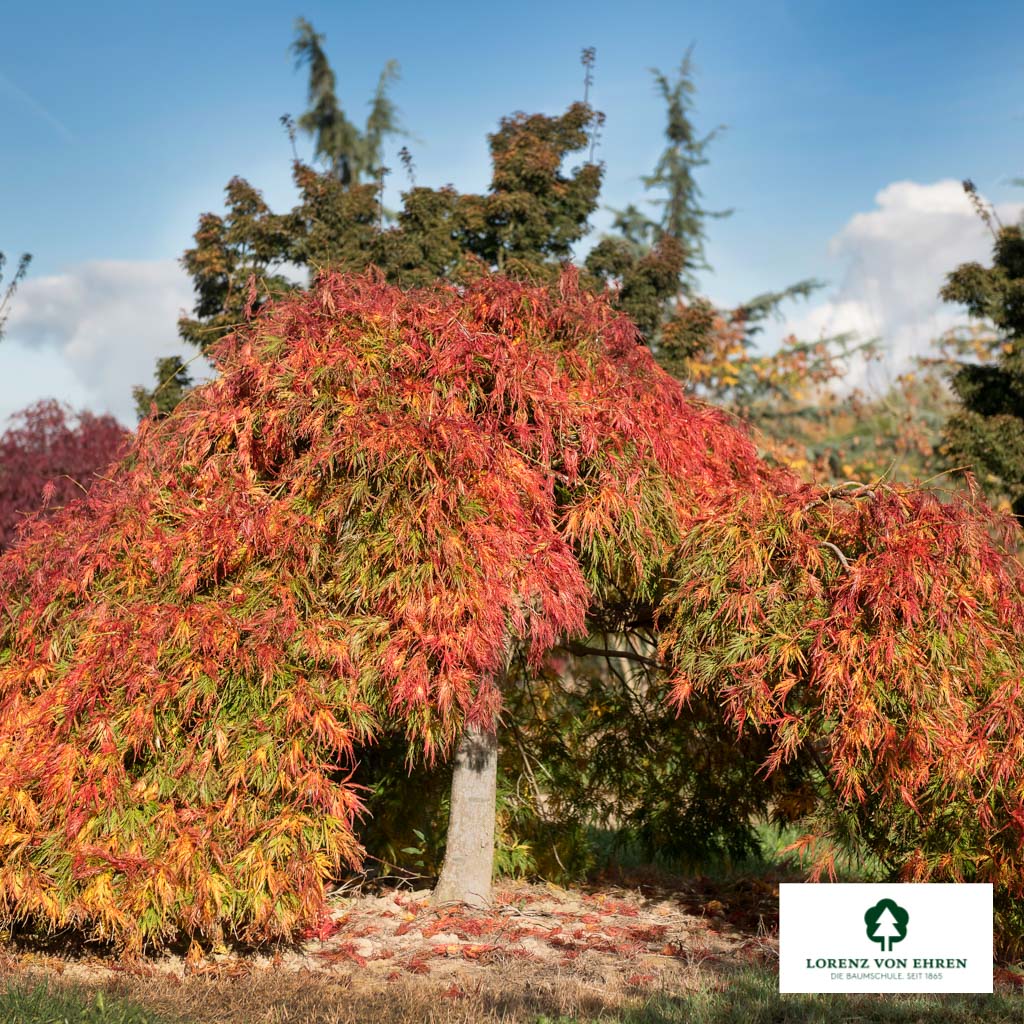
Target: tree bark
469, 855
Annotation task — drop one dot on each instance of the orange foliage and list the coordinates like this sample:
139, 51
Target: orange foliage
876, 634
380, 494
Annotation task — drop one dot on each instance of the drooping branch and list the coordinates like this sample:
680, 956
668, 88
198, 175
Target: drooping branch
837, 552
608, 652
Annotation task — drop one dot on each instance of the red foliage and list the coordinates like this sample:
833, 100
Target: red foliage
327, 927
875, 634
381, 493
47, 457
640, 980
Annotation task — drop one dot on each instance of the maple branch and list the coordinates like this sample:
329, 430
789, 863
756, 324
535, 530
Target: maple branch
859, 491
842, 558
517, 736
846, 490
607, 652
628, 636
636, 703
815, 755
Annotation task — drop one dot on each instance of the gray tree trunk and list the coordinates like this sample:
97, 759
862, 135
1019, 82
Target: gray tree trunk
469, 855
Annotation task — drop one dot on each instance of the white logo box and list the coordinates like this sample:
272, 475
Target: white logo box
825, 944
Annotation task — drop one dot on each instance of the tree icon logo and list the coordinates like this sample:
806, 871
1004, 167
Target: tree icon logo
886, 922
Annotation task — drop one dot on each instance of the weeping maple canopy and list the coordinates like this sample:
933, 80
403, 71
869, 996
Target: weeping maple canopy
877, 632
382, 492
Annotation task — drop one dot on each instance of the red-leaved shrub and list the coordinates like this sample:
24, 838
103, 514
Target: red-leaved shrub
47, 449
876, 632
383, 491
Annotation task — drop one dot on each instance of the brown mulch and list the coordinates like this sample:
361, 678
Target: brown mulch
394, 956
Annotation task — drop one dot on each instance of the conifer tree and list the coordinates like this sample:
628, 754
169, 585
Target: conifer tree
353, 155
173, 382
683, 215
654, 264
986, 433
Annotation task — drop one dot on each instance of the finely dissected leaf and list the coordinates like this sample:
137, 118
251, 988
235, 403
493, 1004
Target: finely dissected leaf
380, 494
875, 632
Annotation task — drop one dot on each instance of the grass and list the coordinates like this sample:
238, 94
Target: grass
752, 997
44, 1004
850, 867
748, 996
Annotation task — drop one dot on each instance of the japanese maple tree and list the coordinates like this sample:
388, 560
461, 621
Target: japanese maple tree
384, 499
382, 496
49, 456
873, 631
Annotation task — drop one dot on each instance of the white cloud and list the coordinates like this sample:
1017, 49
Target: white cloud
895, 258
89, 335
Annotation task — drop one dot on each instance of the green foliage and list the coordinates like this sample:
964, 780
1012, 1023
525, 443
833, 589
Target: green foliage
683, 216
45, 1004
751, 996
235, 265
534, 213
651, 262
652, 265
986, 434
643, 279
173, 382
526, 224
607, 751
353, 156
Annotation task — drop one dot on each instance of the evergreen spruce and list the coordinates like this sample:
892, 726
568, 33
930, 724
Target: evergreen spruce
353, 155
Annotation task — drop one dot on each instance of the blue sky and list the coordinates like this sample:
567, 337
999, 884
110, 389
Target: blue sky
126, 124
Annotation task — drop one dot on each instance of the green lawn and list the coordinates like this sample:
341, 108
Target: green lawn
42, 1004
